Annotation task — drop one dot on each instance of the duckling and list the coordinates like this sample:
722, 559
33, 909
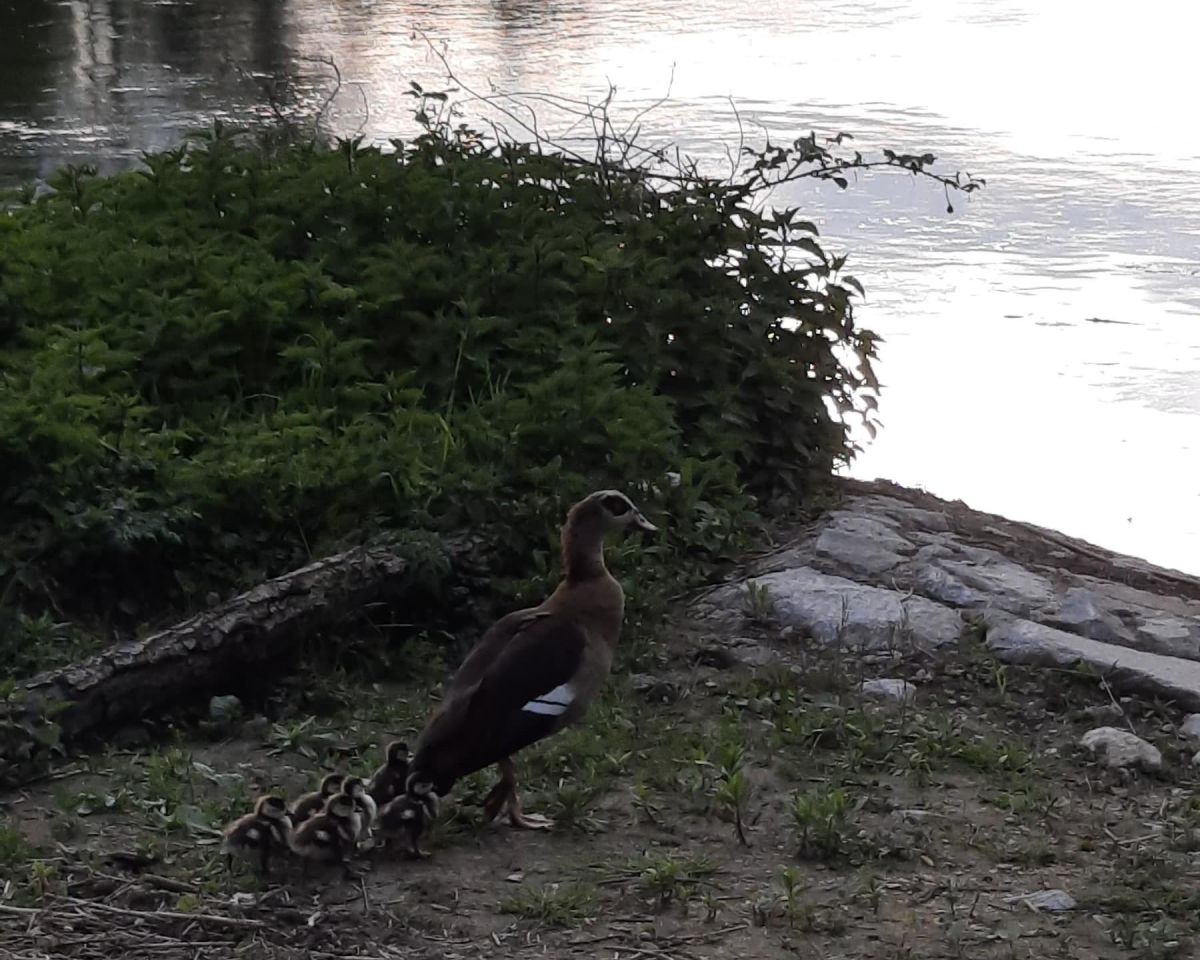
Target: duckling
329, 836
364, 807
313, 803
534, 671
387, 782
268, 828
411, 815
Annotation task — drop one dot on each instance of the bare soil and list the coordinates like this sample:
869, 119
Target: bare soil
871, 830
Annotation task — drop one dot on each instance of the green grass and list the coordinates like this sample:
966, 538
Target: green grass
554, 905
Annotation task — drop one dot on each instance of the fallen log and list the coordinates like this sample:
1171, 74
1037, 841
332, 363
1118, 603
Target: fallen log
213, 650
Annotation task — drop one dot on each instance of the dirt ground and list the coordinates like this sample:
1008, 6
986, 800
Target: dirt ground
871, 830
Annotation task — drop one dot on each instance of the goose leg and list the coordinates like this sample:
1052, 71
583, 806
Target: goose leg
494, 802
530, 821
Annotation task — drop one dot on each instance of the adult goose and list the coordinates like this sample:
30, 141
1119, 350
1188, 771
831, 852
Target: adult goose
534, 671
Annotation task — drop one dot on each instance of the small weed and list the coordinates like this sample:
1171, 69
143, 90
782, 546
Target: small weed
43, 878
670, 880
85, 802
168, 778
820, 817
645, 804
14, 848
556, 905
295, 736
573, 805
732, 791
758, 604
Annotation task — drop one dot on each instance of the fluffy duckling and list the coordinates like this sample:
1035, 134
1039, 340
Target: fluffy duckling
387, 782
329, 836
266, 830
409, 814
313, 803
534, 671
365, 808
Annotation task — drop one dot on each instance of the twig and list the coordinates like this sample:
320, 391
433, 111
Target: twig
168, 914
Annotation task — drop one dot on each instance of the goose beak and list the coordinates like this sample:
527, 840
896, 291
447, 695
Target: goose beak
641, 523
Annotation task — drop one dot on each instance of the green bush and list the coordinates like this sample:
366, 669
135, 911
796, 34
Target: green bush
216, 366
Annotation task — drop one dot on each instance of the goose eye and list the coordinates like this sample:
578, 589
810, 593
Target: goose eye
617, 506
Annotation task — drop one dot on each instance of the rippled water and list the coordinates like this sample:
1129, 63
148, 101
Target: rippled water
1042, 354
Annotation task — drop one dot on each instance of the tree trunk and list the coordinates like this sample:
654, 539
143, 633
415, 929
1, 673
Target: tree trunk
253, 634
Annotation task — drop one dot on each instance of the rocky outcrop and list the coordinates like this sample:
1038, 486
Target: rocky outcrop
893, 568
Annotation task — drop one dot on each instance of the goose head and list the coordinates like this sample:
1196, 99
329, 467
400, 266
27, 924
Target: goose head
609, 510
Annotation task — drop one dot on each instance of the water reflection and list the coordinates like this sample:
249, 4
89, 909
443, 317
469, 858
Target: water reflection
1001, 388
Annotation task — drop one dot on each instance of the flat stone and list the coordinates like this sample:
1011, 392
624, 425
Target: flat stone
903, 514
1006, 585
1121, 749
891, 689
1021, 641
1051, 901
1083, 612
835, 610
1170, 635
850, 553
932, 581
1191, 726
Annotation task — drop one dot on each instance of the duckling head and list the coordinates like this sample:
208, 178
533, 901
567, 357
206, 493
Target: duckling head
340, 806
354, 787
422, 792
331, 783
271, 807
397, 753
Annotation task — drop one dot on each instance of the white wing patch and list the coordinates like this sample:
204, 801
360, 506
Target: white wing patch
253, 835
552, 704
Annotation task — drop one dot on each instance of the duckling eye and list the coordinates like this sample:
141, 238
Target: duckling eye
617, 506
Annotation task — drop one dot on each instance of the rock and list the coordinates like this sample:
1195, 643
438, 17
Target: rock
1191, 726
1005, 584
853, 543
1052, 901
257, 727
1169, 635
225, 709
851, 554
654, 689
932, 581
717, 656
1104, 712
1082, 612
1121, 749
1021, 641
835, 610
896, 691
907, 515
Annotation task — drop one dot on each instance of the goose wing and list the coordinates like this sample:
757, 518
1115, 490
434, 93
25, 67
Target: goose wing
520, 698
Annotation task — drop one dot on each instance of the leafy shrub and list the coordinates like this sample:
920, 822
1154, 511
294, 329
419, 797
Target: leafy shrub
219, 364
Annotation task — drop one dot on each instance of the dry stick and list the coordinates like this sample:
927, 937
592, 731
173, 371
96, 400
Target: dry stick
243, 922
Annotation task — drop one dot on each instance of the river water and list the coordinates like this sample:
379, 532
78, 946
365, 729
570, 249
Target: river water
1042, 343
